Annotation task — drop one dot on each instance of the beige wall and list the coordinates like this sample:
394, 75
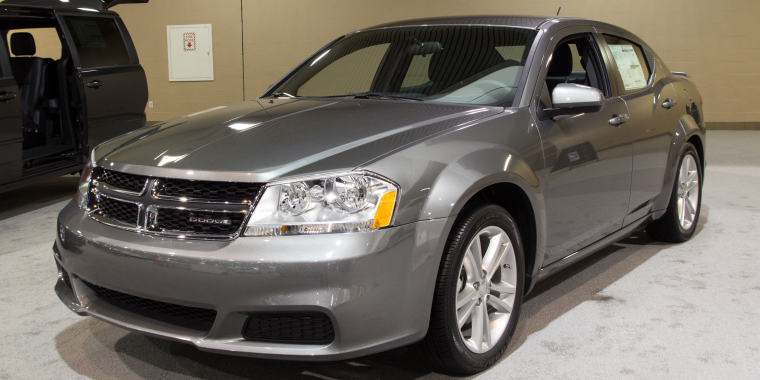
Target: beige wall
147, 25
715, 41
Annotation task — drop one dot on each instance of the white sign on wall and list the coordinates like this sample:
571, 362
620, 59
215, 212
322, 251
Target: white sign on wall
191, 54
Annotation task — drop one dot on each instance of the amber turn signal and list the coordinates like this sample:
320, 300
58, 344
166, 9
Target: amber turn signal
384, 210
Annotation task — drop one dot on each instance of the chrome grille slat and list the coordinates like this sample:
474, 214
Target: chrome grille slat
206, 191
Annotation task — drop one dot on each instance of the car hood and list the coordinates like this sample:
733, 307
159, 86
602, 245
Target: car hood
258, 141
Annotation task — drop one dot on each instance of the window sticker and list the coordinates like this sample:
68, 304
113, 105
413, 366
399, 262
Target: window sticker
629, 67
88, 33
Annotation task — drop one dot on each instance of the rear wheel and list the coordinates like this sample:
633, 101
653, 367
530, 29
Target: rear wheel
680, 220
479, 292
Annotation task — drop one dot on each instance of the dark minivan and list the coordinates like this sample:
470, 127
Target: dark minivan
53, 111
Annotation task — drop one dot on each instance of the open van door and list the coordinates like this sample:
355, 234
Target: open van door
109, 76
11, 136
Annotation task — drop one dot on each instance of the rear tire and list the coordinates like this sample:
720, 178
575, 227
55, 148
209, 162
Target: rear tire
680, 220
477, 299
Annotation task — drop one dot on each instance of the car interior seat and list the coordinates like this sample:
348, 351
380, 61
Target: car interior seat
38, 93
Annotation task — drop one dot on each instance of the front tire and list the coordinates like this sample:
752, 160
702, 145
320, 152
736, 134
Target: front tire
680, 220
479, 292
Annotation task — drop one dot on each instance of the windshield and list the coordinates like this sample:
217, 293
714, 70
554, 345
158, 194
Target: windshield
455, 64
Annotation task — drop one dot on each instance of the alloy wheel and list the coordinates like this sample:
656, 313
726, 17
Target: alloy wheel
486, 289
688, 192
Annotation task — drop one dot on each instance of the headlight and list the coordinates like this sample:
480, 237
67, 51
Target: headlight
350, 202
83, 189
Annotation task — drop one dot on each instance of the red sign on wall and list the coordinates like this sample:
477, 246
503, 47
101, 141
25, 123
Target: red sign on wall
189, 41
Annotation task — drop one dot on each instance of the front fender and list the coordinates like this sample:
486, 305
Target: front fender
439, 176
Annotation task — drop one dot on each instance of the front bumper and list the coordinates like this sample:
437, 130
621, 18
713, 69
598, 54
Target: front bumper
376, 287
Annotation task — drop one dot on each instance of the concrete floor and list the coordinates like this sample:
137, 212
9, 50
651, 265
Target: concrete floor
638, 309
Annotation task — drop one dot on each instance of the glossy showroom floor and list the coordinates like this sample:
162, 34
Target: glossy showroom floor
639, 309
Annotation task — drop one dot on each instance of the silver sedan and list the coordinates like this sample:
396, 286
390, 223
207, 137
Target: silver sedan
407, 183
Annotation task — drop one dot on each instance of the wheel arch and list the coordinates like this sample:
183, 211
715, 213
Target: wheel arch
696, 140
687, 131
518, 204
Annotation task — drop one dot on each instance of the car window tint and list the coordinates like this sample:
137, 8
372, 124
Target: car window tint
514, 53
350, 74
98, 42
418, 71
632, 67
454, 64
45, 39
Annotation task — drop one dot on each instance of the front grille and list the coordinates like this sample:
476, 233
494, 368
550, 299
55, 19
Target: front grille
228, 203
113, 209
303, 328
210, 223
185, 316
131, 182
234, 192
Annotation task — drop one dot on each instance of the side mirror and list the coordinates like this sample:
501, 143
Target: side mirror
574, 99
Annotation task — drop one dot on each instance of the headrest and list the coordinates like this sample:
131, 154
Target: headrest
23, 44
562, 62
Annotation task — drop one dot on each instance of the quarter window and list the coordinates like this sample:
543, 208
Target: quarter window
633, 70
98, 42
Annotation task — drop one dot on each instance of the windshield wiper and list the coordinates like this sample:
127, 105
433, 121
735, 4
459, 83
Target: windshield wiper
373, 95
370, 95
282, 94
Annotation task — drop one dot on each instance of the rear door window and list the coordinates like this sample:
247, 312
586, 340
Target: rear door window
98, 42
633, 70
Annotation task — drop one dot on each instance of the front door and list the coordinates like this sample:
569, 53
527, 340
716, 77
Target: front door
110, 76
11, 136
587, 177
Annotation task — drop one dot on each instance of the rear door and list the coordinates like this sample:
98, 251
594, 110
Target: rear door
109, 74
11, 137
651, 101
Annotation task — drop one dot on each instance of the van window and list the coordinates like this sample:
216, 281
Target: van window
98, 42
46, 40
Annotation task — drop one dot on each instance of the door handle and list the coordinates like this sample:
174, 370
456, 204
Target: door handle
617, 120
7, 96
96, 84
669, 103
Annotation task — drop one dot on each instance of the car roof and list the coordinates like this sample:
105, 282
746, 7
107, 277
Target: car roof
532, 22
